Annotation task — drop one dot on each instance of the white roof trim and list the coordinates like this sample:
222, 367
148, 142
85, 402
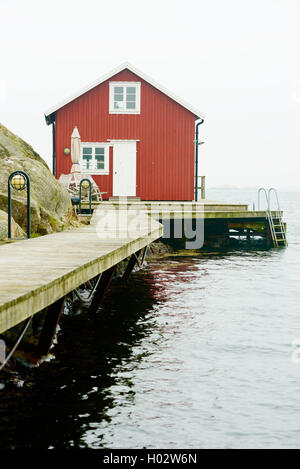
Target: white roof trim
114, 72
118, 140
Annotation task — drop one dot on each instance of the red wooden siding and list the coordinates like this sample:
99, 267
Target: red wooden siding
164, 128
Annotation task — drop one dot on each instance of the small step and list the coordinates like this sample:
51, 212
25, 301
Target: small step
122, 198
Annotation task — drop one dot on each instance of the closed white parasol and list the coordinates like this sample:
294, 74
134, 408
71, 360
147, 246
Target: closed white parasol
75, 151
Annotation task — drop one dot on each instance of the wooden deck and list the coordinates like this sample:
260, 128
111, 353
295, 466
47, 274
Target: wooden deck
37, 272
206, 209
148, 205
222, 220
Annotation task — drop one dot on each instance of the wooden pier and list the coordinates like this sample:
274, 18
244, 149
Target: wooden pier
38, 272
223, 220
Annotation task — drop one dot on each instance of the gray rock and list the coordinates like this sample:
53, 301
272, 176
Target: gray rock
12, 145
17, 231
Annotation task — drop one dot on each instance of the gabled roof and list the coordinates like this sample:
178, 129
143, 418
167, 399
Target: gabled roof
113, 72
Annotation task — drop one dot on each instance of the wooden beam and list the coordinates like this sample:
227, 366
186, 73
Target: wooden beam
49, 328
101, 289
131, 263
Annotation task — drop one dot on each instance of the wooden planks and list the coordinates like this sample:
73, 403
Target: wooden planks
154, 206
37, 272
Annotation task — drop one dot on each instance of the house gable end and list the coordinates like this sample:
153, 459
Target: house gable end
121, 74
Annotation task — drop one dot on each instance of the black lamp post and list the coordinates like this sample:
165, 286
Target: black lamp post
85, 184
19, 181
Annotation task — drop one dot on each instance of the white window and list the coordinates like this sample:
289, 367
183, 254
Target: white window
124, 97
94, 158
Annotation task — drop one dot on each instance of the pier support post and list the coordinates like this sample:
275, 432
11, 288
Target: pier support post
202, 187
269, 239
49, 328
131, 263
144, 255
101, 289
227, 234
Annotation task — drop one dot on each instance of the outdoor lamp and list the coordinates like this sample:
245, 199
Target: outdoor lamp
85, 184
67, 151
18, 182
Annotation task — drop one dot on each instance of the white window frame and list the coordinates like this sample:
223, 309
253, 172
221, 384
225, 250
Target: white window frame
94, 145
125, 84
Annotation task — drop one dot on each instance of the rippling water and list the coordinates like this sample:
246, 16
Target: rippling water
194, 352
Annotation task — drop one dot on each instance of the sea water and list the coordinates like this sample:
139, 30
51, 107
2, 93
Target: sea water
197, 350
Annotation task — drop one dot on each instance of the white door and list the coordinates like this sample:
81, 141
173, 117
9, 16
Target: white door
124, 169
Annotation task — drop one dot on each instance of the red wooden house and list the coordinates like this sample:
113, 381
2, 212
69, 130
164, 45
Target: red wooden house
137, 138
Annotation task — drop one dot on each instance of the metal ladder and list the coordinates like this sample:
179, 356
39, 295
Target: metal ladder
277, 227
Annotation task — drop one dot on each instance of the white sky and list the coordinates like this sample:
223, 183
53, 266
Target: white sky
237, 61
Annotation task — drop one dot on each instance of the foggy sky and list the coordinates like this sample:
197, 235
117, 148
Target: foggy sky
236, 61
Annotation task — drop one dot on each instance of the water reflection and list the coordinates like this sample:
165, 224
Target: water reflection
64, 397
79, 398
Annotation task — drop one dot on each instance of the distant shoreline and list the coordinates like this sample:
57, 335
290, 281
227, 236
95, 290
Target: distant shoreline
221, 187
